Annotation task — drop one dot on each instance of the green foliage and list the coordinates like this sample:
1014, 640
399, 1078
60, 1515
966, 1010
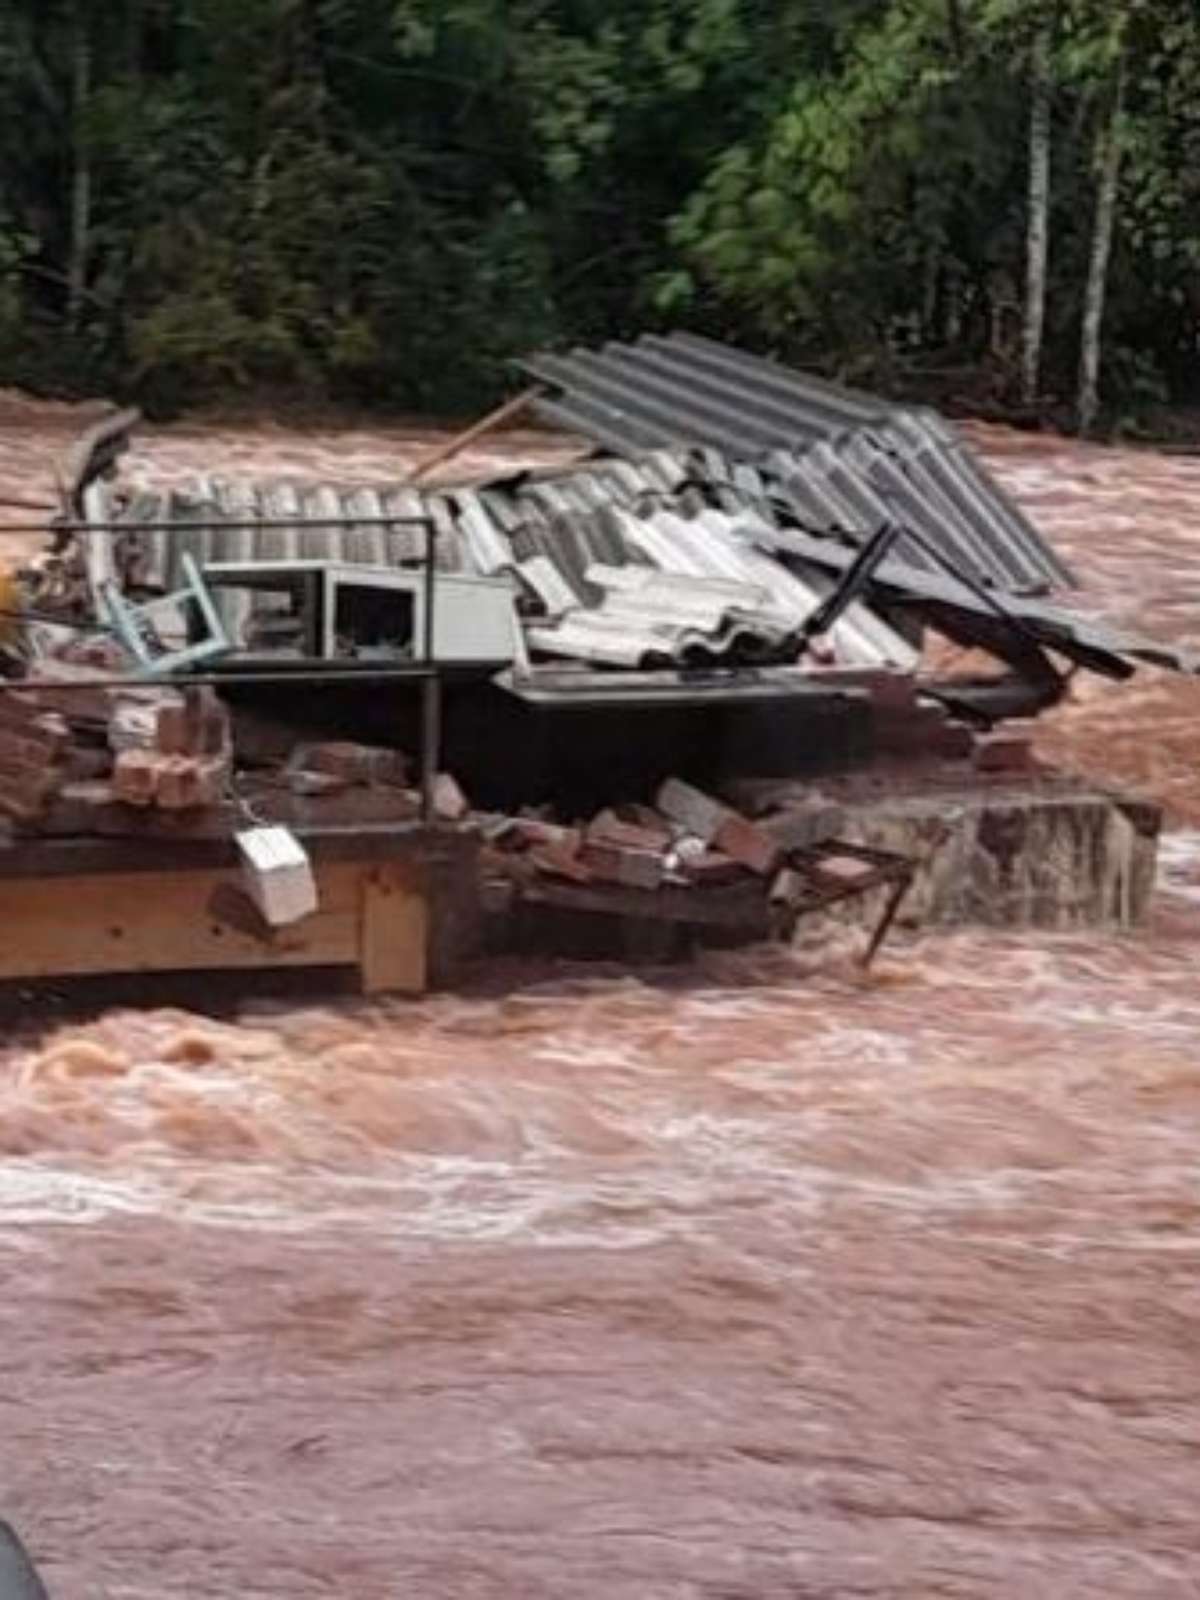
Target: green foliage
882, 202
388, 199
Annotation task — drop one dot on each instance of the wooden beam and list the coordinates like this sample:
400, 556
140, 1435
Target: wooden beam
394, 941
161, 922
478, 430
372, 916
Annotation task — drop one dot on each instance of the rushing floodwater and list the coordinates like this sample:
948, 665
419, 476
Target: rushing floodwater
751, 1282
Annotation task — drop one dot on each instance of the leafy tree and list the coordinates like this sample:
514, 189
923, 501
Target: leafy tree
388, 199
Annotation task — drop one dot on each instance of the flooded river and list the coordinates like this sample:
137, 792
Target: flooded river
751, 1282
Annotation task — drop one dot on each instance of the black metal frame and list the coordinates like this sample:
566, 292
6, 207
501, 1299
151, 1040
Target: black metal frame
822, 890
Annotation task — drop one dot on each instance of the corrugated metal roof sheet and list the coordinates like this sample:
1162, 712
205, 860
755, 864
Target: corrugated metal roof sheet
681, 556
844, 461
1087, 639
560, 540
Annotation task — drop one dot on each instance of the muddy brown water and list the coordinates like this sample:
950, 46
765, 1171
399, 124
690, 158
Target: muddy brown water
748, 1281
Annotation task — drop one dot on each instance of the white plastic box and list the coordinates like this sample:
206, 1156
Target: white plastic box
277, 875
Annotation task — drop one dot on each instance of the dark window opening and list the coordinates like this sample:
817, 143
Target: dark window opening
370, 621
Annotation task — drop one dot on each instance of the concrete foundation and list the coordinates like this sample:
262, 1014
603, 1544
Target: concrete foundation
1038, 852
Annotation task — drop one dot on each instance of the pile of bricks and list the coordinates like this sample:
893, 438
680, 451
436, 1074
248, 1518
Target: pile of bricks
331, 768
908, 726
75, 753
687, 839
1006, 750
172, 751
63, 740
35, 753
344, 765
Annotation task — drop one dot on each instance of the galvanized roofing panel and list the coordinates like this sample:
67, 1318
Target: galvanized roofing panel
554, 536
1068, 632
846, 460
684, 526
686, 390
833, 405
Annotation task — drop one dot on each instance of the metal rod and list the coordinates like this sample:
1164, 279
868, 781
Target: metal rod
431, 741
417, 673
431, 698
849, 585
982, 593
494, 419
883, 927
430, 590
212, 523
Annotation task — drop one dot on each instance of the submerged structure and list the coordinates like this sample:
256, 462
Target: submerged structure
742, 591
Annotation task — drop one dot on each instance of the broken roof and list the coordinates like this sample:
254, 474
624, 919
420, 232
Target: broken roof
678, 558
587, 555
845, 462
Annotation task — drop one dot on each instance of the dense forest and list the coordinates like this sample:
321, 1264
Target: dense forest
382, 200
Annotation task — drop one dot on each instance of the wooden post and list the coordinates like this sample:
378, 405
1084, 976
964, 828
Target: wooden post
395, 931
478, 430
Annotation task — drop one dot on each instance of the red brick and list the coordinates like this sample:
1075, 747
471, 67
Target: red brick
29, 751
136, 775
18, 710
533, 833
646, 817
1003, 751
354, 763
187, 783
712, 870
171, 782
885, 688
615, 863
607, 827
25, 790
212, 774
925, 732
171, 728
313, 783
207, 723
194, 724
175, 783
134, 713
748, 843
22, 715
560, 861
905, 730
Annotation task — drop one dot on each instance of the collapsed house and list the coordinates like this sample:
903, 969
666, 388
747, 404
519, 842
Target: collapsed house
729, 594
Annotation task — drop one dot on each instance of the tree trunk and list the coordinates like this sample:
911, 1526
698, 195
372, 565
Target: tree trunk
1038, 227
929, 294
954, 21
1109, 142
81, 184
